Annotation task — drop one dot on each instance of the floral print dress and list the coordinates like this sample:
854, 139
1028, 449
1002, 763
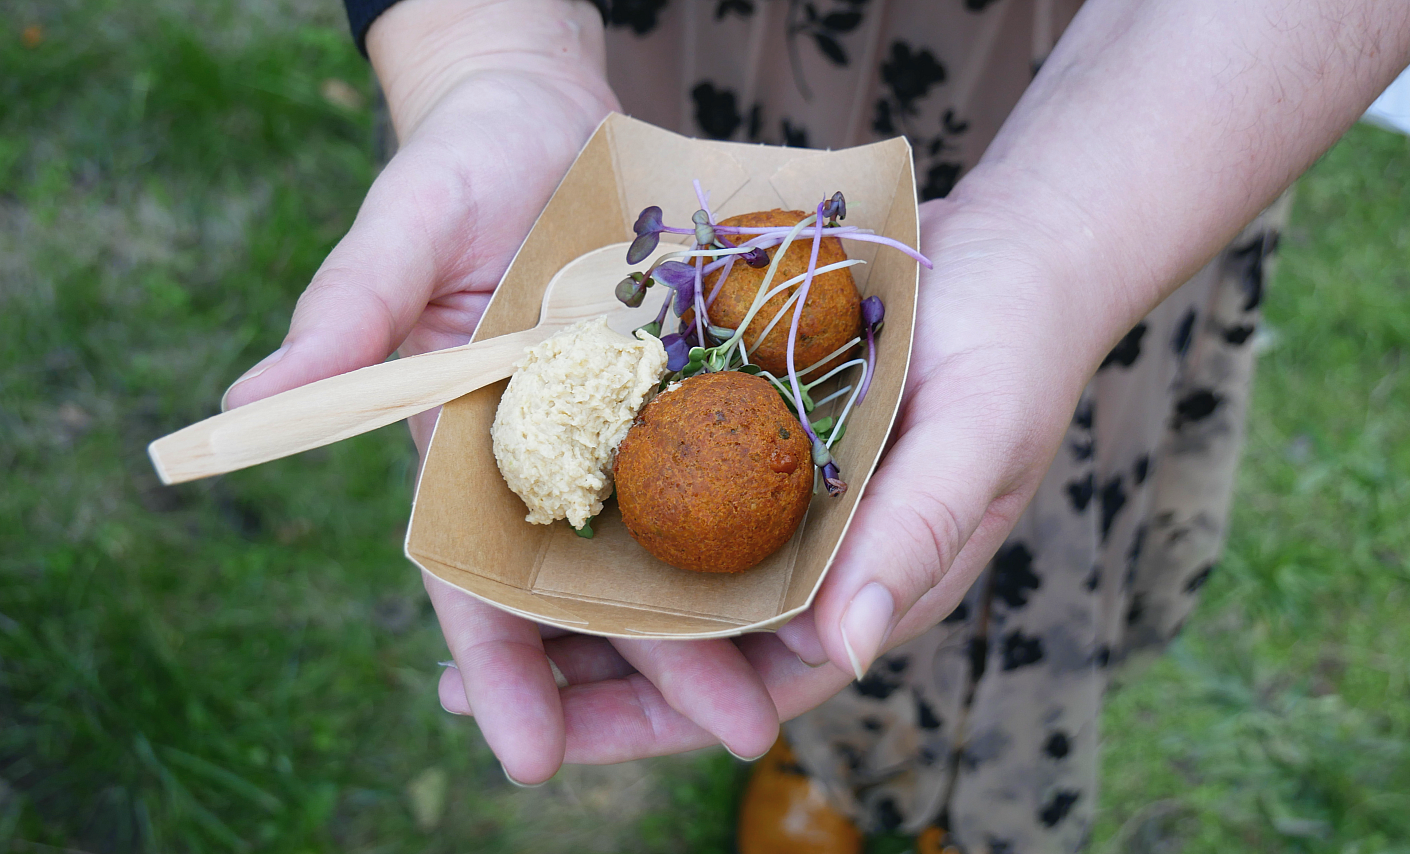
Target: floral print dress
988, 724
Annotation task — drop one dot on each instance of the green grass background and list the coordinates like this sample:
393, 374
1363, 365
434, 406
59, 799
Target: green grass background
248, 663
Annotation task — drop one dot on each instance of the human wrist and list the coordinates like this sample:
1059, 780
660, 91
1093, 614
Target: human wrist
422, 49
1043, 269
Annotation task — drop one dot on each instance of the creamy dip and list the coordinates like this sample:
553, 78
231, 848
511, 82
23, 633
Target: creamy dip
569, 404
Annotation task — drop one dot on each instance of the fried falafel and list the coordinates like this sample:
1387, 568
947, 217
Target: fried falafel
715, 474
831, 314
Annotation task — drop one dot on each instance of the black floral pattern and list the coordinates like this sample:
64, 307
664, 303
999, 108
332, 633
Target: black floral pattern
639, 15
1113, 499
1127, 350
794, 136
1058, 808
910, 74
1247, 260
1196, 406
716, 110
1184, 333
826, 29
940, 180
1020, 650
1085, 553
742, 8
1014, 579
1057, 745
1079, 492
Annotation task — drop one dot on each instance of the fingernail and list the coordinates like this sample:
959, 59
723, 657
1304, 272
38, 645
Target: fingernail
802, 641
865, 624
558, 678
444, 707
452, 711
742, 758
516, 782
260, 367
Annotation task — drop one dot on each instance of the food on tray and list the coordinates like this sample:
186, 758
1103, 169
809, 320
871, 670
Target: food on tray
831, 315
715, 473
564, 413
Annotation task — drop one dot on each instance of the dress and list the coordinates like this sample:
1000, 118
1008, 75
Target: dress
988, 723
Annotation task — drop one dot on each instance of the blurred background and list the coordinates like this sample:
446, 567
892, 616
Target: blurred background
249, 664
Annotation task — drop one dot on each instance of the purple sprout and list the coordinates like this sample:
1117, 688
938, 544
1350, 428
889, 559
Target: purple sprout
822, 458
686, 280
677, 351
648, 230
697, 286
756, 257
873, 315
679, 277
704, 237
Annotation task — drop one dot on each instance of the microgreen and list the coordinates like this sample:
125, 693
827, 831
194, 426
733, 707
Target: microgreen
677, 351
648, 230
698, 346
873, 316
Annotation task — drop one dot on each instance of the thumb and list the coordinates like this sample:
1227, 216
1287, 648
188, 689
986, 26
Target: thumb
369, 292
933, 514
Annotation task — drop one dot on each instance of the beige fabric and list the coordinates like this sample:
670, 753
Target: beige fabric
988, 724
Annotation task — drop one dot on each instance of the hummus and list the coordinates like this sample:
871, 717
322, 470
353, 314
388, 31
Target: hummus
569, 404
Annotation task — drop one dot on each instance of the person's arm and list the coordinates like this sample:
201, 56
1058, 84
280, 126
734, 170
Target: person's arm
1151, 135
1099, 196
492, 100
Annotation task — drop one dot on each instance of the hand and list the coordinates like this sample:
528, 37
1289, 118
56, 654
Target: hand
1006, 339
1107, 187
1007, 334
492, 102
1003, 349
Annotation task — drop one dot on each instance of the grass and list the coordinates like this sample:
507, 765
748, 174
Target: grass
1281, 720
248, 663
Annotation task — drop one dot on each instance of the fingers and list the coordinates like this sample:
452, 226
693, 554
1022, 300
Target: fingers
579, 659
582, 659
800, 635
936, 487
710, 683
613, 714
794, 685
506, 680
623, 719
374, 285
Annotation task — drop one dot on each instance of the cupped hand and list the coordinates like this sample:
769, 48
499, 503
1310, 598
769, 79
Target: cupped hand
1003, 348
486, 134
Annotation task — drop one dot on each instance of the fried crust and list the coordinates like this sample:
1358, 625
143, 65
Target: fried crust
831, 315
714, 475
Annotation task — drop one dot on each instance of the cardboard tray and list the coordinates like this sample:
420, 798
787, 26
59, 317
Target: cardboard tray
468, 529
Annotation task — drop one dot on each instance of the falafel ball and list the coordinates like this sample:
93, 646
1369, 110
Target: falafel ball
831, 315
715, 473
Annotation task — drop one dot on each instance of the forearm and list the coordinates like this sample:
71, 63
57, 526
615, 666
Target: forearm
1156, 130
421, 49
